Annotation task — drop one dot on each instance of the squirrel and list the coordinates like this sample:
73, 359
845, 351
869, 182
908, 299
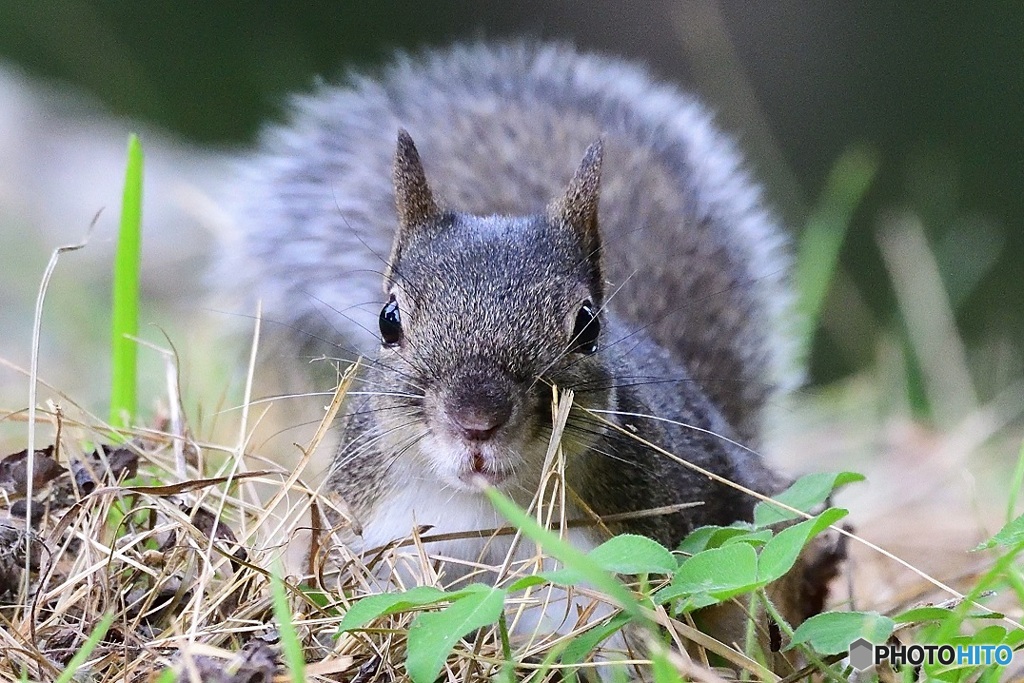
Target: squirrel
651, 283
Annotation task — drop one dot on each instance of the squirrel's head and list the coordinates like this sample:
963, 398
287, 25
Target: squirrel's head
484, 314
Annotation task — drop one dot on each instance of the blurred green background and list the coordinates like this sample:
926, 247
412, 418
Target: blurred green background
932, 92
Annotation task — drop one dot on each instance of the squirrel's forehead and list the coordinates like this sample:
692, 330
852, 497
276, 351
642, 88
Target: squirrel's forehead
482, 258
509, 241
494, 228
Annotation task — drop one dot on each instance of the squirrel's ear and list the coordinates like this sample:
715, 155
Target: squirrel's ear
577, 208
413, 199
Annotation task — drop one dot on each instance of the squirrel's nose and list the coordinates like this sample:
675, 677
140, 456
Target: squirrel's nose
480, 423
479, 400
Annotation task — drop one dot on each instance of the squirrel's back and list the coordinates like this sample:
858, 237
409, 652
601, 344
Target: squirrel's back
690, 252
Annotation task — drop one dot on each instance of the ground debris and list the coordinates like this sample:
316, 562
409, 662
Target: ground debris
369, 671
256, 662
154, 556
55, 489
63, 643
105, 465
215, 529
12, 554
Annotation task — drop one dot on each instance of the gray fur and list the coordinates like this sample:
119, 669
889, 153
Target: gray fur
690, 252
689, 267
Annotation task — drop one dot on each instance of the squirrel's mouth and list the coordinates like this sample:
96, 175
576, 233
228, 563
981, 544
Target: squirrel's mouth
478, 465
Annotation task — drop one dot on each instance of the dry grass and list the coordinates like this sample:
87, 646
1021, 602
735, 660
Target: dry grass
181, 556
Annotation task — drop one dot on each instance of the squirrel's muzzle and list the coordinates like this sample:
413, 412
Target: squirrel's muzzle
479, 404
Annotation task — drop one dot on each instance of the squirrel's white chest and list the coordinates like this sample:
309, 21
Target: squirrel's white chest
487, 557
461, 531
450, 513
424, 503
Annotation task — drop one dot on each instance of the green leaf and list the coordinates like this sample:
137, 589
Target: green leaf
990, 635
623, 554
719, 572
528, 581
582, 645
662, 668
706, 537
754, 538
316, 596
917, 615
373, 606
559, 577
1014, 638
698, 539
433, 634
805, 494
832, 632
632, 554
689, 600
1010, 535
125, 323
779, 555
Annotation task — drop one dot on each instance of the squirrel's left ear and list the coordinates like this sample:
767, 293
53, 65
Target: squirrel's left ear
413, 199
414, 202
577, 208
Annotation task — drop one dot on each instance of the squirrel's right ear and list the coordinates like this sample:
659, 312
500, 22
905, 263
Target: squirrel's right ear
413, 198
414, 201
577, 209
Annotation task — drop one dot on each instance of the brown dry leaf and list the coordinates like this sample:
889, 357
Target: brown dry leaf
64, 643
195, 484
258, 660
161, 602
106, 465
14, 471
208, 523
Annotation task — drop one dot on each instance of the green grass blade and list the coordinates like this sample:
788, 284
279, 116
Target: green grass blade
565, 553
68, 674
1016, 483
294, 658
822, 238
126, 293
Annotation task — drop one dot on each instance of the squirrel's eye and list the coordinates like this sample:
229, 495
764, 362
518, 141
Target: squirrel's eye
390, 323
585, 331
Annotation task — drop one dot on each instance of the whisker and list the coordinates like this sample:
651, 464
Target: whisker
384, 393
361, 445
685, 425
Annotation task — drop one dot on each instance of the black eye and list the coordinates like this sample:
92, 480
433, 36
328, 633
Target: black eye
586, 329
390, 324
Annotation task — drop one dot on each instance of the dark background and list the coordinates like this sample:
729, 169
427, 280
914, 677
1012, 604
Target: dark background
934, 89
